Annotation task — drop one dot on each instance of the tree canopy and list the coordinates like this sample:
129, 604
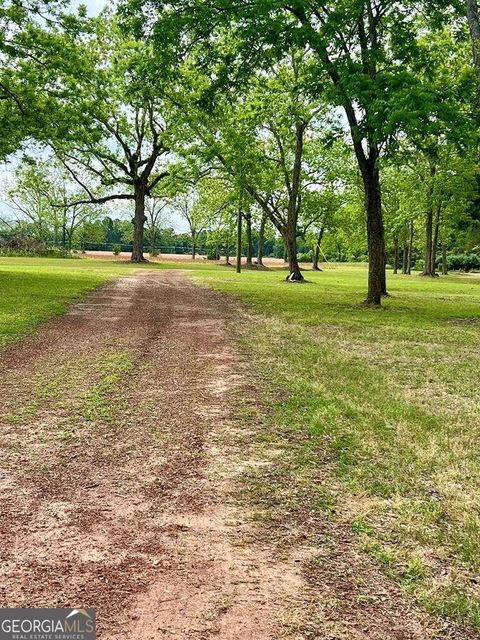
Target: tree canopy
351, 124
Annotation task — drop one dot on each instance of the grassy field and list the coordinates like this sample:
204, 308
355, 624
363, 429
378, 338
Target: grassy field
386, 403
34, 289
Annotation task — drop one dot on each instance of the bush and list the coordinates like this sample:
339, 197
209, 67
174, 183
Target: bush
463, 262
212, 253
117, 249
25, 246
305, 257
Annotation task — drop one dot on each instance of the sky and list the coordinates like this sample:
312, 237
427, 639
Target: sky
94, 6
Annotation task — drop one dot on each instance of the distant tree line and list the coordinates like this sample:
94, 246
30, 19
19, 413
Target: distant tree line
42, 218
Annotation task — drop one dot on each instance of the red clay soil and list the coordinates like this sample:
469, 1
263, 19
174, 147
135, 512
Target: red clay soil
186, 258
121, 452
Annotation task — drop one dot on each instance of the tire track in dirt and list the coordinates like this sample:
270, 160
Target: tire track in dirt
121, 455
113, 484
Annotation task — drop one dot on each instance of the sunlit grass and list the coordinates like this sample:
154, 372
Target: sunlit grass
391, 397
34, 289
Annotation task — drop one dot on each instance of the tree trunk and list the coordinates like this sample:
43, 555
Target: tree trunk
410, 246
444, 260
377, 280
194, 246
288, 230
427, 268
261, 240
396, 253
239, 241
294, 201
429, 259
153, 241
436, 229
248, 233
404, 259
55, 234
139, 223
316, 251
473, 17
290, 239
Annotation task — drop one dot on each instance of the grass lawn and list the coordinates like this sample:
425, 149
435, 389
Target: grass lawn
388, 405
34, 289
384, 403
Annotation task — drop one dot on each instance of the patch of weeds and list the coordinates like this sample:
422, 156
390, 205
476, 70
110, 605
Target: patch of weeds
49, 390
413, 573
98, 402
365, 598
222, 606
454, 603
360, 526
67, 434
23, 414
385, 556
44, 467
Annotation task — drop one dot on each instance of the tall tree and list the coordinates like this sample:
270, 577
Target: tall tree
156, 210
112, 137
365, 48
473, 17
28, 41
41, 195
259, 141
190, 204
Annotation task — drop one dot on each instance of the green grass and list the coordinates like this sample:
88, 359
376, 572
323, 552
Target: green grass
35, 289
384, 403
97, 404
390, 405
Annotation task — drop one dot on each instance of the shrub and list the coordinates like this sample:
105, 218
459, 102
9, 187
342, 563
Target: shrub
212, 253
463, 262
25, 246
305, 257
117, 249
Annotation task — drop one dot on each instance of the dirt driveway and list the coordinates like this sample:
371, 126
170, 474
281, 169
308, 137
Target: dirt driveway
119, 452
121, 449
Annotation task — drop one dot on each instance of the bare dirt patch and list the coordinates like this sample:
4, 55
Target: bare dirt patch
123, 451
114, 476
